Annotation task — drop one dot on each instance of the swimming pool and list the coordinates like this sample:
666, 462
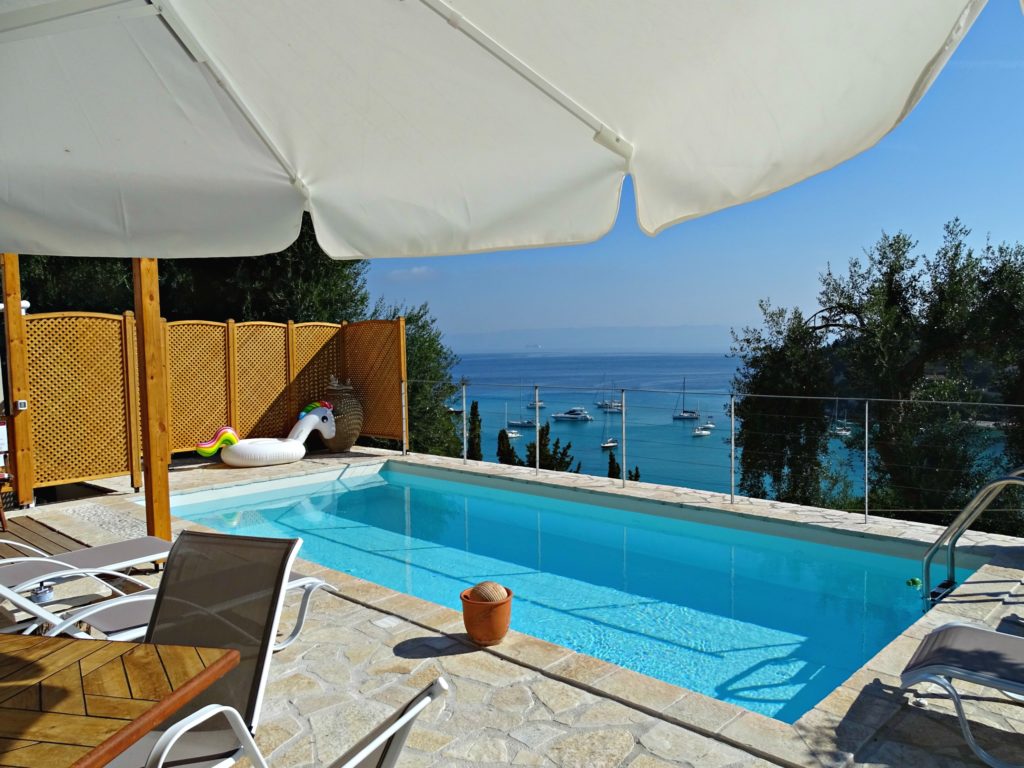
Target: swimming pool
768, 622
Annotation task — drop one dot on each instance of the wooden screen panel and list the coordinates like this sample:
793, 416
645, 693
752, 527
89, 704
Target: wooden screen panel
375, 364
263, 380
317, 357
79, 389
196, 352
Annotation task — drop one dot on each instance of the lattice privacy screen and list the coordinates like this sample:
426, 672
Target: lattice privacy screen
83, 380
80, 389
377, 369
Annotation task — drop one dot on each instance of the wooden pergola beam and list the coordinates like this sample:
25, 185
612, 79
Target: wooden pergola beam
156, 452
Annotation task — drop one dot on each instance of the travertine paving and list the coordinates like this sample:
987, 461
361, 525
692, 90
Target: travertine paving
527, 702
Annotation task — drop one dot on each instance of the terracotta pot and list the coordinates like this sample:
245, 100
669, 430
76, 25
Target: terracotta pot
486, 622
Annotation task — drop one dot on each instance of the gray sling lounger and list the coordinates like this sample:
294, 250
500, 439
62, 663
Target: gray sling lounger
975, 655
19, 573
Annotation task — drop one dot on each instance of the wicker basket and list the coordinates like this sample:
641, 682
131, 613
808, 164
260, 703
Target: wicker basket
348, 417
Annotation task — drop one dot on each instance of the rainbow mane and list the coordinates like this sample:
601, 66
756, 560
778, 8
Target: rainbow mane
313, 406
224, 436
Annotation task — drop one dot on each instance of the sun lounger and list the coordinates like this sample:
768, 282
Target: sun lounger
127, 617
21, 573
973, 654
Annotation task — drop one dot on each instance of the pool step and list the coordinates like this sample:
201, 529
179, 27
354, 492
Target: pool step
941, 591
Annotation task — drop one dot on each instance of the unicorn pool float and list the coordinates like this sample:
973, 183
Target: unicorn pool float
264, 451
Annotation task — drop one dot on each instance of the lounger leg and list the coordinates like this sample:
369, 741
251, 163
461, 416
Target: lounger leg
985, 757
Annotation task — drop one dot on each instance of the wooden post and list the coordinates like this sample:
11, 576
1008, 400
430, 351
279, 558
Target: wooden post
153, 387
130, 354
17, 376
292, 362
343, 352
231, 353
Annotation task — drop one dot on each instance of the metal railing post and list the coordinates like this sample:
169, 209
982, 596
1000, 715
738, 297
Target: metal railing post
536, 428
625, 466
465, 430
867, 480
732, 449
405, 418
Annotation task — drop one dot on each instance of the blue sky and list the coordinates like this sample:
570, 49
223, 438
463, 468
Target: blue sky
959, 153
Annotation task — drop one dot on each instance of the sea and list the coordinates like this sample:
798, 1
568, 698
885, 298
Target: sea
657, 385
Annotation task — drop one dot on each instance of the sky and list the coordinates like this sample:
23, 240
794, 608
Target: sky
959, 153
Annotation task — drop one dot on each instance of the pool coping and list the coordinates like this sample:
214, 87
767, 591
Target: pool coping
827, 735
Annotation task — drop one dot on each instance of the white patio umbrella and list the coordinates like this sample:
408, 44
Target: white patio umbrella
191, 128
426, 127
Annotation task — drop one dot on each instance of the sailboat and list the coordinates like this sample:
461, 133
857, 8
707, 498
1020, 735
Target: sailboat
522, 423
840, 428
609, 441
683, 414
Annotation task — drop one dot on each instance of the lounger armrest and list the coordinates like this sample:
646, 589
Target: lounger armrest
69, 573
397, 732
163, 746
72, 618
22, 546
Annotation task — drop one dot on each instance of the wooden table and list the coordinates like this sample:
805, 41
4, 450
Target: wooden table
67, 702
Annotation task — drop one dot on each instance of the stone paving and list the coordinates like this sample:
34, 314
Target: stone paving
366, 649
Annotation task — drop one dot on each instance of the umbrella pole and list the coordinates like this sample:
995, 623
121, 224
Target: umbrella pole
156, 455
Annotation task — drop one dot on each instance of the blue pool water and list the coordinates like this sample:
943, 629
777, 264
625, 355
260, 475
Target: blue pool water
766, 622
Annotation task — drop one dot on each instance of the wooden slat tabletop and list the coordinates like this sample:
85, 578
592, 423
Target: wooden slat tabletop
80, 703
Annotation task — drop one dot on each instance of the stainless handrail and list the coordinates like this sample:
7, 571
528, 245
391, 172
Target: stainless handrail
951, 535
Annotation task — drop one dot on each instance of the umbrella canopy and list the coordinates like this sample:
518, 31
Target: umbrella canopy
424, 127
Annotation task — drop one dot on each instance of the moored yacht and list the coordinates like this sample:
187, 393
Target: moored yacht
573, 414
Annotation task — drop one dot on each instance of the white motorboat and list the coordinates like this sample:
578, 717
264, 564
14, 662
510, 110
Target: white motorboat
701, 431
709, 424
609, 443
513, 434
573, 414
534, 404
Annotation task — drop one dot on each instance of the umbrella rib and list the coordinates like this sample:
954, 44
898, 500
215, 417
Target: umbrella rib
603, 133
188, 41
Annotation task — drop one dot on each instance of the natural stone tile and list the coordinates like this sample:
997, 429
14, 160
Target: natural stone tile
647, 761
530, 650
640, 689
770, 736
338, 728
582, 669
606, 712
480, 751
526, 757
426, 740
484, 668
536, 734
515, 698
605, 748
292, 687
559, 697
703, 713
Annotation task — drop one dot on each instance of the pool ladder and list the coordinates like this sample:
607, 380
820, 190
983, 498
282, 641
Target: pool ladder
949, 538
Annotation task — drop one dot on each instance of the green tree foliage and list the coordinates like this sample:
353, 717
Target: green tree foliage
300, 283
614, 470
634, 474
551, 456
506, 451
430, 363
896, 326
474, 452
782, 440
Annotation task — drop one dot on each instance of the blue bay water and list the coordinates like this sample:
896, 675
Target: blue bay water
769, 623
664, 450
